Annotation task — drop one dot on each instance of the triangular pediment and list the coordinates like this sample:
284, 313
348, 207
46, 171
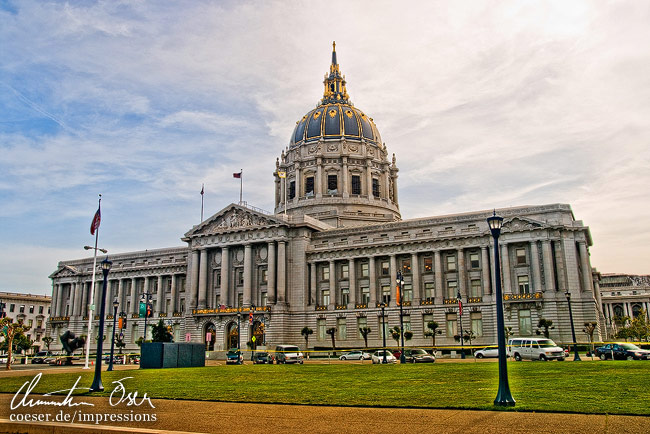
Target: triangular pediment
65, 271
522, 223
234, 218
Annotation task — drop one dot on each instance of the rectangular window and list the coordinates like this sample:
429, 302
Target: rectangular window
12, 307
31, 309
362, 322
523, 284
452, 325
428, 290
406, 266
356, 184
264, 299
375, 187
345, 271
406, 320
521, 255
451, 263
385, 268
292, 189
408, 292
309, 186
31, 323
365, 269
365, 295
473, 260
240, 277
384, 331
525, 323
217, 279
325, 297
475, 288
428, 264
320, 325
452, 289
345, 296
477, 323
332, 184
325, 272
341, 329
265, 276
385, 294
240, 299
22, 308
426, 319
39, 323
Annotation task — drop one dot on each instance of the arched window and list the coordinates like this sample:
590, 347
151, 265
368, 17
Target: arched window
618, 311
636, 310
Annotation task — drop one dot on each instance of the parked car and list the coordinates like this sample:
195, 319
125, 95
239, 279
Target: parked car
487, 352
378, 357
355, 355
3, 359
260, 357
288, 354
234, 357
41, 356
535, 349
622, 351
418, 355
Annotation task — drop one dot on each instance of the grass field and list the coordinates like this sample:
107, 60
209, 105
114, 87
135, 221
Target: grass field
619, 387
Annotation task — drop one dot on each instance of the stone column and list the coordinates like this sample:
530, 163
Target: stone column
120, 295
485, 271
174, 296
369, 178
536, 269
333, 290
73, 297
318, 185
225, 277
505, 267
393, 280
298, 186
312, 283
194, 280
372, 277
161, 295
271, 294
584, 265
283, 189
440, 281
462, 273
146, 288
549, 273
61, 301
203, 278
415, 274
55, 297
98, 297
282, 273
395, 188
134, 295
248, 275
352, 279
85, 287
346, 191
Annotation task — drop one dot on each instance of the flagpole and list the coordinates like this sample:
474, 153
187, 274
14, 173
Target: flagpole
241, 183
92, 294
202, 202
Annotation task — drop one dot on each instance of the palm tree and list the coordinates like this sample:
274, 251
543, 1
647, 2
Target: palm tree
332, 332
306, 331
543, 327
47, 340
433, 331
365, 331
395, 333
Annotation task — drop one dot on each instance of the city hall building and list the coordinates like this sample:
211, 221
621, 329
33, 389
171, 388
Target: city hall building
331, 251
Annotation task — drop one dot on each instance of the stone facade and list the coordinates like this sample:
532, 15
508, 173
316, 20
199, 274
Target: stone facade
331, 251
622, 295
33, 310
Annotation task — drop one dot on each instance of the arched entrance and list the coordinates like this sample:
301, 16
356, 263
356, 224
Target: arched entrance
209, 336
258, 333
232, 335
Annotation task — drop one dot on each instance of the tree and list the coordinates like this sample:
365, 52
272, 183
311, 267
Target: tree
589, 329
433, 331
637, 328
10, 330
47, 340
138, 341
365, 331
332, 332
408, 335
543, 327
395, 333
119, 343
468, 335
160, 332
305, 332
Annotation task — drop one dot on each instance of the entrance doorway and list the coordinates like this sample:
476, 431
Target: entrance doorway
210, 336
232, 335
258, 333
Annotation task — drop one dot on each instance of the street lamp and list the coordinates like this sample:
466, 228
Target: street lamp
460, 316
91, 306
97, 381
400, 300
147, 297
110, 362
383, 327
504, 397
576, 357
251, 336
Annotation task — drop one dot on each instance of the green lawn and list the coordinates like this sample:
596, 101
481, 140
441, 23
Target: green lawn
619, 387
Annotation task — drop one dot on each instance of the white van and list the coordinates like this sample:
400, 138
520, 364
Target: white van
288, 354
535, 349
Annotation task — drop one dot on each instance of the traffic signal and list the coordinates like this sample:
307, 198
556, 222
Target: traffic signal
149, 311
120, 322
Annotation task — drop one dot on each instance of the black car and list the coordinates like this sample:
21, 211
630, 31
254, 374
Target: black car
418, 355
262, 357
623, 351
41, 356
234, 357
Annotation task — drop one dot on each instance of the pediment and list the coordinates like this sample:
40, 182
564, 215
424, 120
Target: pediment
522, 224
234, 218
65, 271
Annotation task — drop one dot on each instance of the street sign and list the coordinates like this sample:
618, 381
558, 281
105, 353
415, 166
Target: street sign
143, 309
253, 339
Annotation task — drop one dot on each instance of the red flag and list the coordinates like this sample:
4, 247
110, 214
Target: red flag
236, 175
460, 307
399, 299
96, 221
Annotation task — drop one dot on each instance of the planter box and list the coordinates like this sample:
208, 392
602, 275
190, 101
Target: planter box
156, 355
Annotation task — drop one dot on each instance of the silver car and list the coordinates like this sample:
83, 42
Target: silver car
355, 355
378, 357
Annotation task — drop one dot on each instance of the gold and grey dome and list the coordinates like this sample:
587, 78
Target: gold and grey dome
335, 117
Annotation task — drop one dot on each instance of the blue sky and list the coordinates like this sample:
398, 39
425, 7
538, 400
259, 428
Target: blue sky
486, 104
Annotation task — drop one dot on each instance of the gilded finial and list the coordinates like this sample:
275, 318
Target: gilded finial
333, 45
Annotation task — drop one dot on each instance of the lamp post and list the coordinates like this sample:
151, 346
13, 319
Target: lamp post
400, 300
504, 397
251, 336
460, 317
576, 357
91, 306
147, 297
97, 381
110, 362
383, 327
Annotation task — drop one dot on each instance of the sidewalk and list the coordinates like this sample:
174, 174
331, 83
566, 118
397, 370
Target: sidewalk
219, 417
